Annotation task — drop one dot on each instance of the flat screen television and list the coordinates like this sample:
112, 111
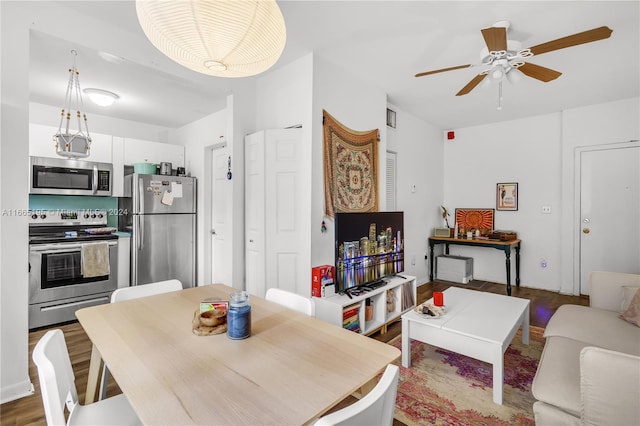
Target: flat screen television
368, 248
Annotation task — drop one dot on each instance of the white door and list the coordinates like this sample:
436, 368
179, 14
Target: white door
285, 266
254, 214
221, 217
609, 210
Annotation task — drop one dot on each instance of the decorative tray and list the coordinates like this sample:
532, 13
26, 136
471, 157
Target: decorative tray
428, 310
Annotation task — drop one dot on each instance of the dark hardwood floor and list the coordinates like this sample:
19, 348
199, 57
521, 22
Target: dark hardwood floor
29, 410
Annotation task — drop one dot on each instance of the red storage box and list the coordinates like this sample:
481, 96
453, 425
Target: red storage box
321, 276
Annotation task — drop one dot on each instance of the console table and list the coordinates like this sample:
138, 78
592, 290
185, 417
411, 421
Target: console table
496, 244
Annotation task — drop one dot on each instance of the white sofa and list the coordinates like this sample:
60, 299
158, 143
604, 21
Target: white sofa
589, 372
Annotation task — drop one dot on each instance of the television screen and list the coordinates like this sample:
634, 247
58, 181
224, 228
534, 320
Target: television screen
368, 247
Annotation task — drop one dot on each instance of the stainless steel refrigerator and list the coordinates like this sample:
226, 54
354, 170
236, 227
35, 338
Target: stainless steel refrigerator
160, 213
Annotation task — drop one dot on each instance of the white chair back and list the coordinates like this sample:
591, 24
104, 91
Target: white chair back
57, 386
142, 290
291, 300
375, 408
55, 374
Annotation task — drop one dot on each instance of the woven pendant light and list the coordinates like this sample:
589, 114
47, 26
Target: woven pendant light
223, 38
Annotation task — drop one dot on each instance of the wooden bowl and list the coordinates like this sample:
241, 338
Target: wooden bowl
213, 318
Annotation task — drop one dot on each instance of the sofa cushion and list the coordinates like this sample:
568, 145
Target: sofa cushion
632, 314
549, 415
627, 296
603, 371
595, 327
557, 380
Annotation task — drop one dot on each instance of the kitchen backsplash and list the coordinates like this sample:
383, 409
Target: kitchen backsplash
76, 202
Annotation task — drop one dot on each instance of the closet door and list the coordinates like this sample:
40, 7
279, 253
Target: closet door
284, 209
255, 214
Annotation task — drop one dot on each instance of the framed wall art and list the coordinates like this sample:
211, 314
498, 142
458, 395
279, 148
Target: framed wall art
507, 196
472, 219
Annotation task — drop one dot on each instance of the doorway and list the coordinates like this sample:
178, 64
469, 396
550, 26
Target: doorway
221, 210
607, 229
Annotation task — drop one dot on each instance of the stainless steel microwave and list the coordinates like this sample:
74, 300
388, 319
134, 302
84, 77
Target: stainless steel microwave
69, 177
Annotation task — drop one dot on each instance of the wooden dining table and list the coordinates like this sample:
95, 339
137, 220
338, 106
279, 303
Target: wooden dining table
291, 370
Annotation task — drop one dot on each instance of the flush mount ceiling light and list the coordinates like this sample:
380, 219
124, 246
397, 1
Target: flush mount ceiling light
223, 38
100, 97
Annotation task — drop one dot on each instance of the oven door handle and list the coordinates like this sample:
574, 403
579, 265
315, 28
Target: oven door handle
59, 248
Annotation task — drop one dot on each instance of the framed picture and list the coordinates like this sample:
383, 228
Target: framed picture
507, 196
472, 219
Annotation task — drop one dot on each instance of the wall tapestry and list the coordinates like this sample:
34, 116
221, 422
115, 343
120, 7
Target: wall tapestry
350, 168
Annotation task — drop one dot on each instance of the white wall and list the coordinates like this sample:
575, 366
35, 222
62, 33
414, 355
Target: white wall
606, 123
538, 153
14, 165
197, 138
358, 106
284, 99
49, 115
525, 151
419, 151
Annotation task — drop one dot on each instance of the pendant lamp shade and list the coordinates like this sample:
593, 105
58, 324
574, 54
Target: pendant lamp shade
223, 38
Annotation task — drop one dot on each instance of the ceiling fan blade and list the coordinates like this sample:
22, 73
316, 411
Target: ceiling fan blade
595, 34
538, 72
495, 38
472, 84
421, 74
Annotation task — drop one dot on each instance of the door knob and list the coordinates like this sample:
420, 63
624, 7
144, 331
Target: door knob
213, 232
586, 230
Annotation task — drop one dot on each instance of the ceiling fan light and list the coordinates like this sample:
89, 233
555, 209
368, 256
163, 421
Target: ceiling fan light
223, 38
514, 76
103, 98
497, 73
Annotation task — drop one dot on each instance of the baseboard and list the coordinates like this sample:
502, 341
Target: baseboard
16, 391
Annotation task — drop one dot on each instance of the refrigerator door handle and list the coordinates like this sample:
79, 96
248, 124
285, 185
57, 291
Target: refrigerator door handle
140, 196
140, 233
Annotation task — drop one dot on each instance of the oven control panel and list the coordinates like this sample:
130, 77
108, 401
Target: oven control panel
93, 217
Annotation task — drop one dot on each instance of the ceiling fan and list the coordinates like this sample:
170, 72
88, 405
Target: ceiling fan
501, 56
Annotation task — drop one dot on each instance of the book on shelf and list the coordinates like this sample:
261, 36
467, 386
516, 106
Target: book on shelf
407, 296
350, 312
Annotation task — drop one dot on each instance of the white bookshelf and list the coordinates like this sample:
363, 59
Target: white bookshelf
330, 309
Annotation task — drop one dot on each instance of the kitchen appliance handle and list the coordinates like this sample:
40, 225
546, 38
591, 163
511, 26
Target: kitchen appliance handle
140, 195
59, 248
140, 232
94, 181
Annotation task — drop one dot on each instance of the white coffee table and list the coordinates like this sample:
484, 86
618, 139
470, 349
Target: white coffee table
475, 324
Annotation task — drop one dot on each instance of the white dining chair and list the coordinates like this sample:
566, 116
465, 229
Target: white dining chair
135, 292
375, 408
57, 386
291, 300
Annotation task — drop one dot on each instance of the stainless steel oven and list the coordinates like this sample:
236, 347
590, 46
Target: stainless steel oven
57, 285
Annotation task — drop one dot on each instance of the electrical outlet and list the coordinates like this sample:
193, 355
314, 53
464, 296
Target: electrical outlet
546, 209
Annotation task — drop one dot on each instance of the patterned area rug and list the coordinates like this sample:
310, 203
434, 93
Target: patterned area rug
444, 388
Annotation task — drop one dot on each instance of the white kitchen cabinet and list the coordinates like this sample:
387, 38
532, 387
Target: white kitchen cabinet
41, 144
141, 151
276, 212
128, 151
124, 259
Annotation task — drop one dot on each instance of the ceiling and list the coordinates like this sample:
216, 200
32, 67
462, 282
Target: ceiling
384, 43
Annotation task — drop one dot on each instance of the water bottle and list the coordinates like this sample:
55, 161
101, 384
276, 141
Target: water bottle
239, 316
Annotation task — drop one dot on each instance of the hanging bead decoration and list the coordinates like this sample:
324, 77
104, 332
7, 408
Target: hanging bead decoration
323, 227
73, 144
229, 169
